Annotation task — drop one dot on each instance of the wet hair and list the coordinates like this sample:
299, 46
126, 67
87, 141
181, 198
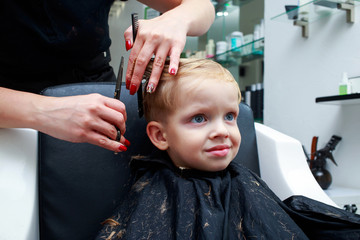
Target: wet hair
191, 73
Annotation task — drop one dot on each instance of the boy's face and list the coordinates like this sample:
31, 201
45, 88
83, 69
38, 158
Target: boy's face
202, 133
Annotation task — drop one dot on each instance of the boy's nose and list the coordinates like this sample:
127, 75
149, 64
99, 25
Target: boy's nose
219, 130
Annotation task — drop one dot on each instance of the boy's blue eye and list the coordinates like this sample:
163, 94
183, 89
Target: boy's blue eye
198, 119
229, 117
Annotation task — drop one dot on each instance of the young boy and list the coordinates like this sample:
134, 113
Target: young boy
191, 189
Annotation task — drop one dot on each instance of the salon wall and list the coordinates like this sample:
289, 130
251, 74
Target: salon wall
297, 70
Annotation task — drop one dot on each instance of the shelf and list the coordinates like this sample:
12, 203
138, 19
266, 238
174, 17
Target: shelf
340, 99
239, 55
317, 9
313, 10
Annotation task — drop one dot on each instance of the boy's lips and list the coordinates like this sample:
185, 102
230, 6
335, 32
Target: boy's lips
219, 151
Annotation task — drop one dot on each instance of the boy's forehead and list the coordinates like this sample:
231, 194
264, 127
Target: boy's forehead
191, 84
204, 89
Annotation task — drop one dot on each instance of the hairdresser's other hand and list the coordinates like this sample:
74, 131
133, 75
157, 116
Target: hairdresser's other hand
154, 37
164, 36
86, 118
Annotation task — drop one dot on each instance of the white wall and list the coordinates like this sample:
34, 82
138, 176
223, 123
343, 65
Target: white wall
297, 70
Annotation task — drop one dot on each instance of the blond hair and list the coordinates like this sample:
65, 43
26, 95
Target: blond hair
163, 101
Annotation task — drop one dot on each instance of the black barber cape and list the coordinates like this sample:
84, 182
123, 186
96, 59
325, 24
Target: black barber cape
169, 203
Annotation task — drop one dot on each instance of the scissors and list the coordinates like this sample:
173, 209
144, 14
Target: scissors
118, 91
120, 76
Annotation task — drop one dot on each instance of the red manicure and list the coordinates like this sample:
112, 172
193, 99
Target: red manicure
128, 45
127, 143
132, 89
172, 71
122, 148
127, 84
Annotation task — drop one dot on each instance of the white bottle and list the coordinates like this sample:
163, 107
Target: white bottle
304, 9
262, 32
256, 36
237, 40
221, 48
210, 49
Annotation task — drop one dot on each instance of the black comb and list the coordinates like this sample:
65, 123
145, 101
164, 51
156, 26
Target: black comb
135, 27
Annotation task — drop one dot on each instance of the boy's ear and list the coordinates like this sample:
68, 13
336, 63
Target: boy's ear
156, 133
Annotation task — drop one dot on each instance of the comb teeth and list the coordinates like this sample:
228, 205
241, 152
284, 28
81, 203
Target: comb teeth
135, 24
147, 74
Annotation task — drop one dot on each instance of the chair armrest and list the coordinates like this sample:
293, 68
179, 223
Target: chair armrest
284, 168
18, 184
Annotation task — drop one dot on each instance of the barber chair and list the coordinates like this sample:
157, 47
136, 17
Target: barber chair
52, 189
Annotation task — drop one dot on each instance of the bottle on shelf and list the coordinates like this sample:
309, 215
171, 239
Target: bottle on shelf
236, 41
344, 85
221, 48
210, 49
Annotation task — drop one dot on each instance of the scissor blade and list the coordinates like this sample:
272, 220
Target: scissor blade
120, 73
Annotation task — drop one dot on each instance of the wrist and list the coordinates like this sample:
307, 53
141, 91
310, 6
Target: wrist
197, 19
17, 108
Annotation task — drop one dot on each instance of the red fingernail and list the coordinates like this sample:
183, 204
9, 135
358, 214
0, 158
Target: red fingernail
127, 143
132, 89
128, 45
172, 71
127, 84
122, 148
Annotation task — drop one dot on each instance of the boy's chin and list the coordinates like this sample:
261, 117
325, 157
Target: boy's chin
216, 168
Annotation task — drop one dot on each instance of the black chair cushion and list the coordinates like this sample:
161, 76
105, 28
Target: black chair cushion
80, 184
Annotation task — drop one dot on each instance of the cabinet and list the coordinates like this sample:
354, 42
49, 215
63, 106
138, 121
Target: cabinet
244, 61
229, 19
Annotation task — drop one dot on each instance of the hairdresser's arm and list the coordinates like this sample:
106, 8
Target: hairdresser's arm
196, 15
87, 118
165, 36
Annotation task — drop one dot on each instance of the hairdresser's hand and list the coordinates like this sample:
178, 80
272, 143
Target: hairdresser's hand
87, 118
163, 36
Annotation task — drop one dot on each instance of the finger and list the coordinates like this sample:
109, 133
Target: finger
128, 38
104, 128
157, 69
117, 105
104, 134
109, 123
175, 53
131, 63
139, 67
124, 141
112, 115
100, 140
